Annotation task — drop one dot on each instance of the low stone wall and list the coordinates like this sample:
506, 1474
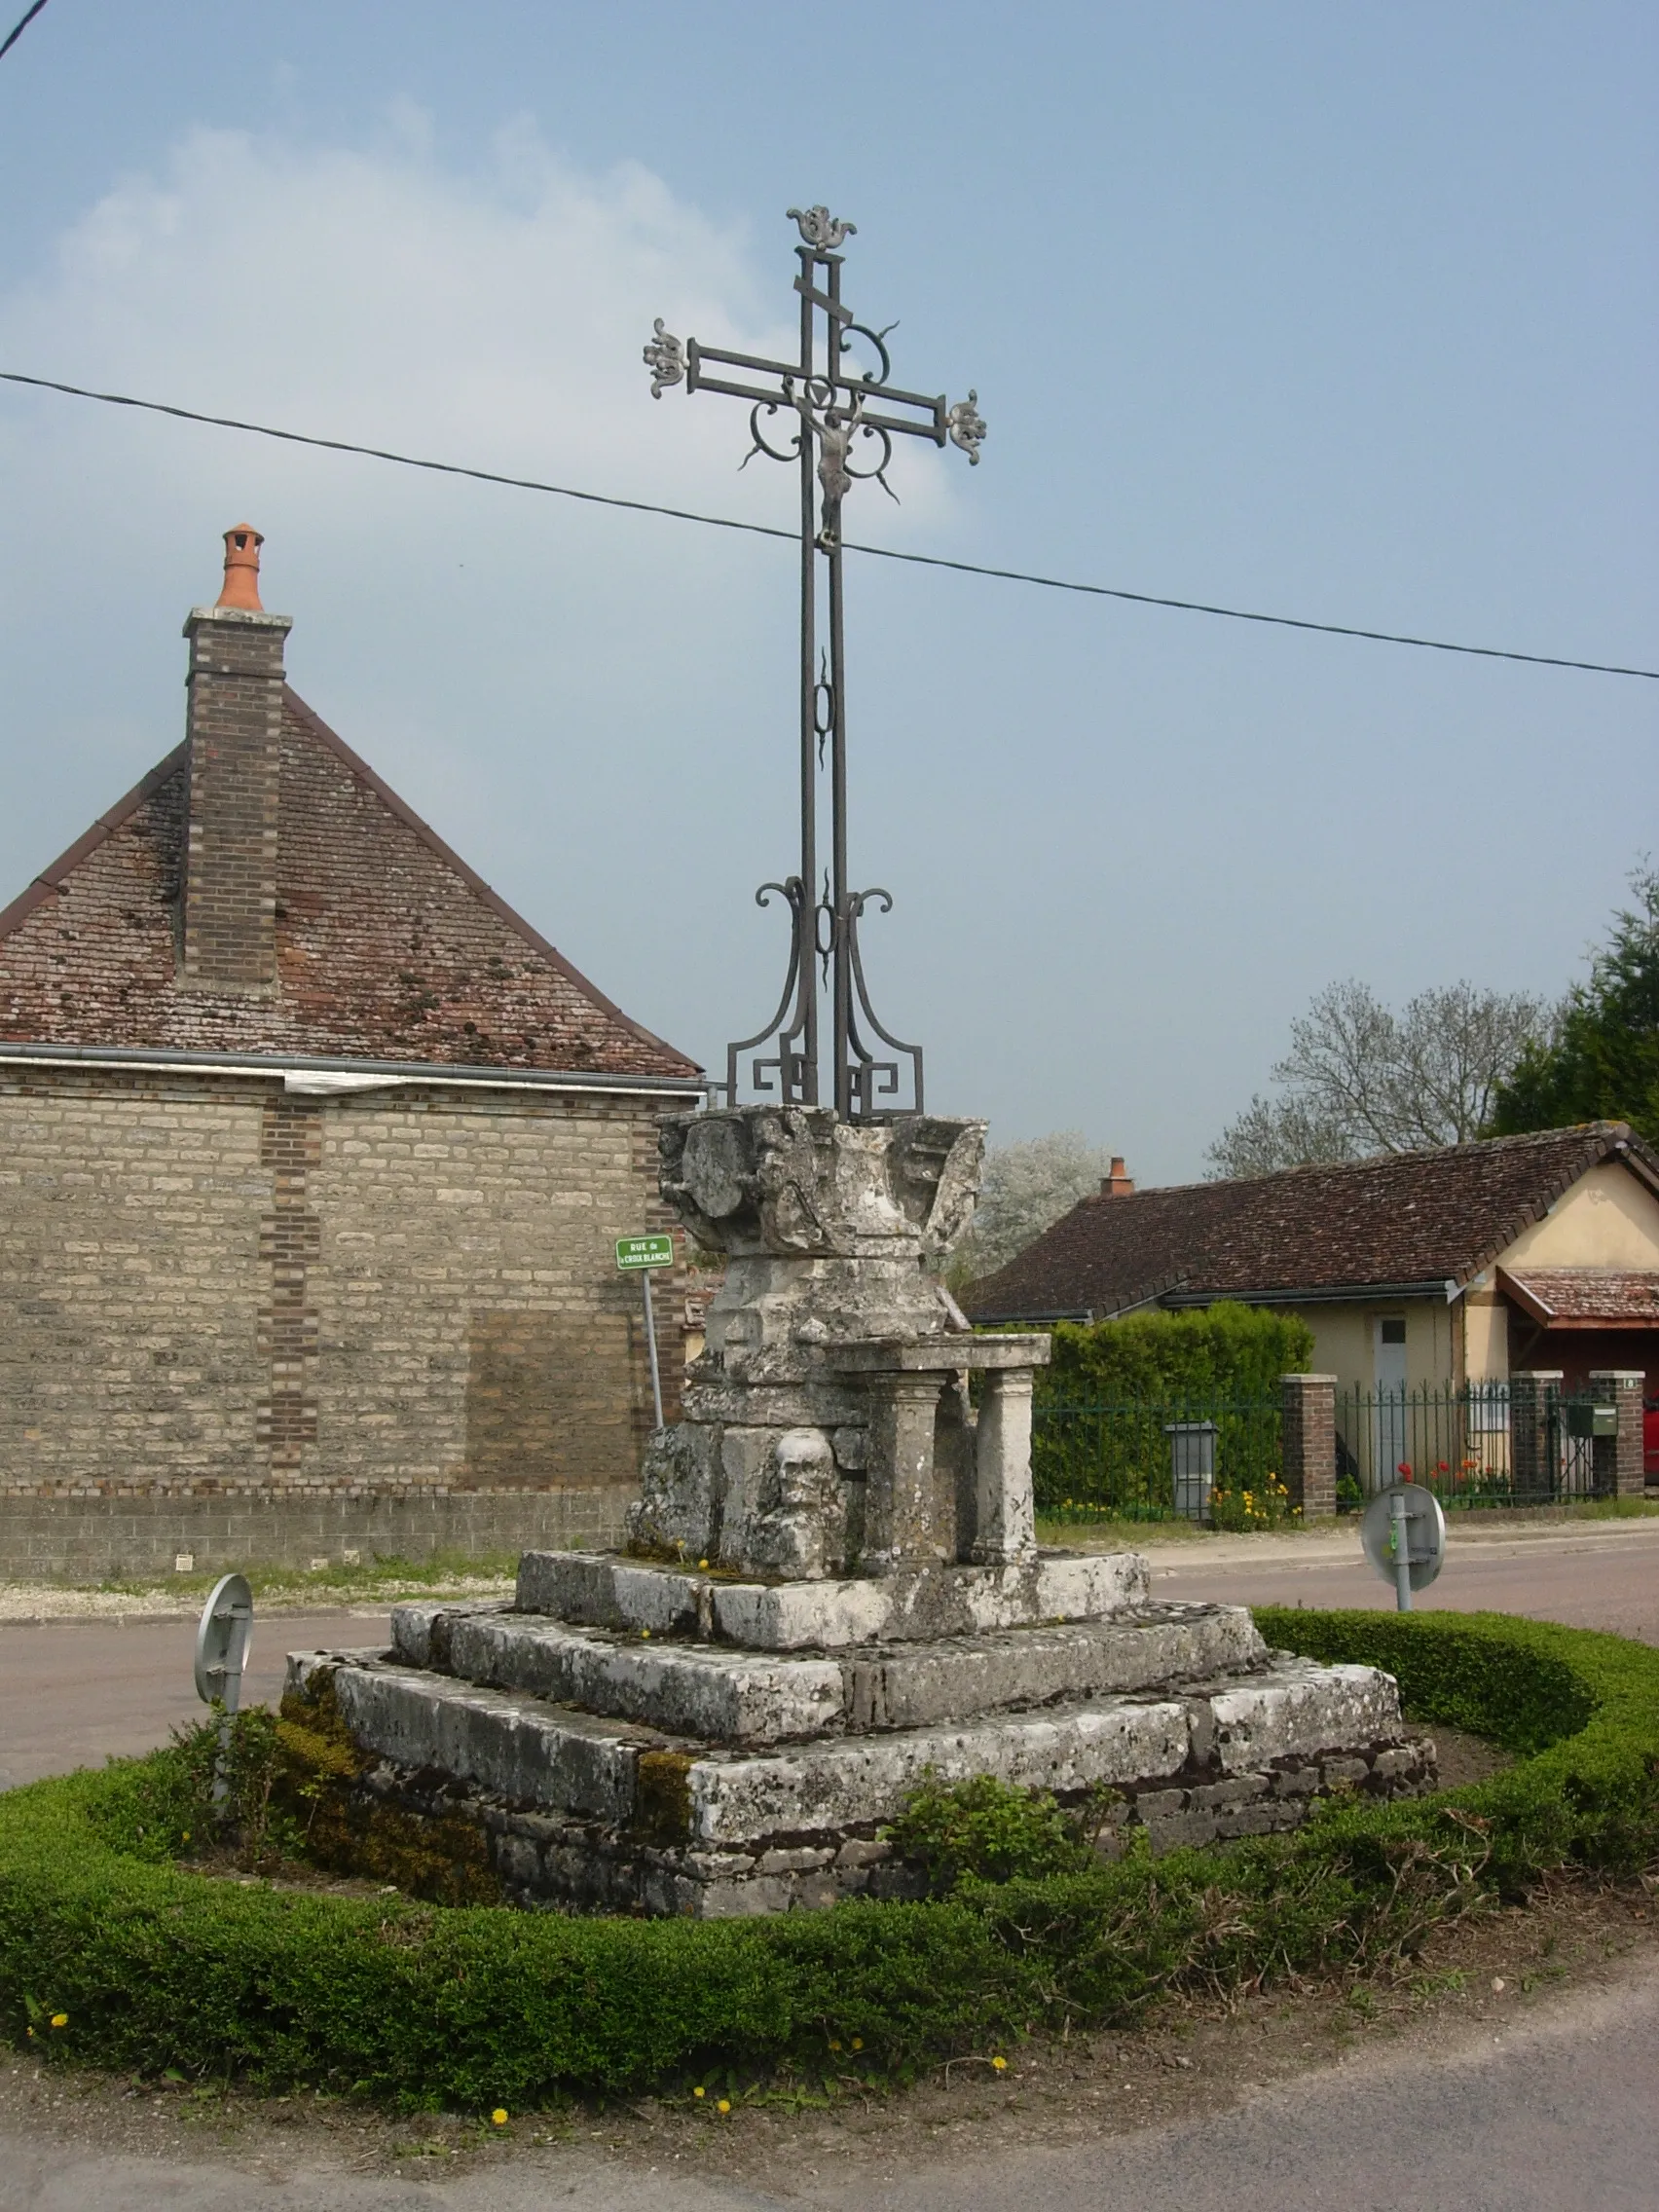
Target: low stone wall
541, 1857
96, 1539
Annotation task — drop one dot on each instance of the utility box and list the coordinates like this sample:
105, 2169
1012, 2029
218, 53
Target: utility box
1191, 1466
1591, 1420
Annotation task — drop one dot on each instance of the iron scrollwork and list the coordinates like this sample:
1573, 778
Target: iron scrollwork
840, 411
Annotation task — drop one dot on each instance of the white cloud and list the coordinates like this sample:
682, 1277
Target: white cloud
549, 682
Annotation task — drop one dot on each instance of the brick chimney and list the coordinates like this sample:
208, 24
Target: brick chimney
234, 722
1116, 1185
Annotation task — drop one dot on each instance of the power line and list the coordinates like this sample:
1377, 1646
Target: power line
768, 530
16, 32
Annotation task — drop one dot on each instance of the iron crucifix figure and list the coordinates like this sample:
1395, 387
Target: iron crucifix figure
835, 417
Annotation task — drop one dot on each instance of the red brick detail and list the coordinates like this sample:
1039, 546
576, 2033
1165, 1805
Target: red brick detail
1309, 1405
290, 1238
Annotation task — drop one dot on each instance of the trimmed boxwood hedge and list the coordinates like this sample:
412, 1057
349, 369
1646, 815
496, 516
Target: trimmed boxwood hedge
152, 1965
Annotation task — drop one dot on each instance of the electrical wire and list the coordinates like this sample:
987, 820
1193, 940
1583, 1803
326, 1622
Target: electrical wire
770, 529
17, 30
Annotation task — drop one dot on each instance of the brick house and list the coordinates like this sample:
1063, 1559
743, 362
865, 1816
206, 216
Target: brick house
312, 1156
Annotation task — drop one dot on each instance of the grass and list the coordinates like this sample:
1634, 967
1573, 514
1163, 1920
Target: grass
373, 1577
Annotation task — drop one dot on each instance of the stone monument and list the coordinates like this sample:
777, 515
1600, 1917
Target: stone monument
832, 1589
833, 1592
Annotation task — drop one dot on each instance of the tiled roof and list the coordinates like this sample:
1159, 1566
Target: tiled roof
389, 947
1403, 1219
1585, 1298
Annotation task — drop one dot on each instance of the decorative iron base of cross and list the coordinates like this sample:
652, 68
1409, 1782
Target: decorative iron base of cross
825, 413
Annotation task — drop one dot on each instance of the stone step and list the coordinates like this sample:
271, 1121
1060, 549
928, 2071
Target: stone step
603, 1590
719, 1695
535, 1754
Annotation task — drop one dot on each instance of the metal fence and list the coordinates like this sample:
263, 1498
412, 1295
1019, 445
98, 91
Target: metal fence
1460, 1443
1152, 1461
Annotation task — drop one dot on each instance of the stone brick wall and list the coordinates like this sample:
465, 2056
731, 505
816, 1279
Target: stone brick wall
235, 742
210, 1288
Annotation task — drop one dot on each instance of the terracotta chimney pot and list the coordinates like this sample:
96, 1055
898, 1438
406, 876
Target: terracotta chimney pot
241, 568
1116, 1185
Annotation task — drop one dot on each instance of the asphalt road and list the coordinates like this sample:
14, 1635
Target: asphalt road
1549, 2117
73, 1693
1604, 1576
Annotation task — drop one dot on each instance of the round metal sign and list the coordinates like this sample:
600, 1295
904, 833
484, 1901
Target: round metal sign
224, 1640
1405, 1515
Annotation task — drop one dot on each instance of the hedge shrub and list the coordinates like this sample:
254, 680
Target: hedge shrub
152, 1965
1222, 1351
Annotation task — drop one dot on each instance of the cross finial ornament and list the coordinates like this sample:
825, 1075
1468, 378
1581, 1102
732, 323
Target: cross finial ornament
834, 412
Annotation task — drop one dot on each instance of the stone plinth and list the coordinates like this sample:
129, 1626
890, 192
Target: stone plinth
833, 1592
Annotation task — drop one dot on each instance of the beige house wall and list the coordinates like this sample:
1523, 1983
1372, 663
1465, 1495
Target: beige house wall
1608, 1219
1344, 1339
210, 1287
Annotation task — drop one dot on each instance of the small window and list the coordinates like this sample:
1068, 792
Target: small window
1393, 1332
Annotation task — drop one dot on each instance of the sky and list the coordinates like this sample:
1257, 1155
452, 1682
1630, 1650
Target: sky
1341, 312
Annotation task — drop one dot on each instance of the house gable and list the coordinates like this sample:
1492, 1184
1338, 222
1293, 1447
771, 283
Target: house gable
1609, 1218
388, 946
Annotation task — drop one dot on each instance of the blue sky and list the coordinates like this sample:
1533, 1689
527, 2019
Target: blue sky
1346, 312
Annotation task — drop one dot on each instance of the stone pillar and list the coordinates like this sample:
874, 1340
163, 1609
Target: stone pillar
1618, 1458
1309, 1459
1534, 1434
1004, 1522
899, 1491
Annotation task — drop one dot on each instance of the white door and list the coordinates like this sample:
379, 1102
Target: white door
1389, 1441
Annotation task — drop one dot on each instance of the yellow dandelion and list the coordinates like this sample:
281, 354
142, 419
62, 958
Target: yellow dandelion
834, 2046
60, 2020
702, 1563
699, 2092
185, 1838
645, 1633
1001, 2065
858, 2043
499, 2116
724, 2105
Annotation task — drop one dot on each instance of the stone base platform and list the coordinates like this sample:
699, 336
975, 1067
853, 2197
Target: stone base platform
631, 1737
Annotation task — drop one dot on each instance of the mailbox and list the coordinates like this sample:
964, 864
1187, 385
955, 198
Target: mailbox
1591, 1420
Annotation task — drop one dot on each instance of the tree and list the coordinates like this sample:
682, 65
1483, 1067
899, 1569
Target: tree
1602, 1063
1026, 1189
1360, 1079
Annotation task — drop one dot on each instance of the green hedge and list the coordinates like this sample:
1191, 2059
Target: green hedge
1224, 1351
157, 1966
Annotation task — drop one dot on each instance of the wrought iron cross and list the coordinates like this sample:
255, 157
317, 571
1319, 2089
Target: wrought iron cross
837, 412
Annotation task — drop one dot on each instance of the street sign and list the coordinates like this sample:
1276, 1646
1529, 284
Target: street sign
645, 1252
224, 1637
1404, 1537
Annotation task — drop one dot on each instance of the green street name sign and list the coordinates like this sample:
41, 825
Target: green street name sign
645, 1252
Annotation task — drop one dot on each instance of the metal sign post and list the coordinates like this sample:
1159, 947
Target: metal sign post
224, 1640
643, 1254
1404, 1537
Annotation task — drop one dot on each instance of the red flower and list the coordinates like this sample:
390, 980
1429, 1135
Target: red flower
1404, 1470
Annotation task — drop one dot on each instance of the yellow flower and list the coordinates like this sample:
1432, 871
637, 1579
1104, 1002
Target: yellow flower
645, 1633
499, 2116
858, 2043
60, 2020
699, 2092
724, 2105
1001, 2065
834, 2046
702, 1563
185, 1838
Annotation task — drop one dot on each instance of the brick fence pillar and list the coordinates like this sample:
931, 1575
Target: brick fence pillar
1619, 1459
1309, 1469
1535, 1427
